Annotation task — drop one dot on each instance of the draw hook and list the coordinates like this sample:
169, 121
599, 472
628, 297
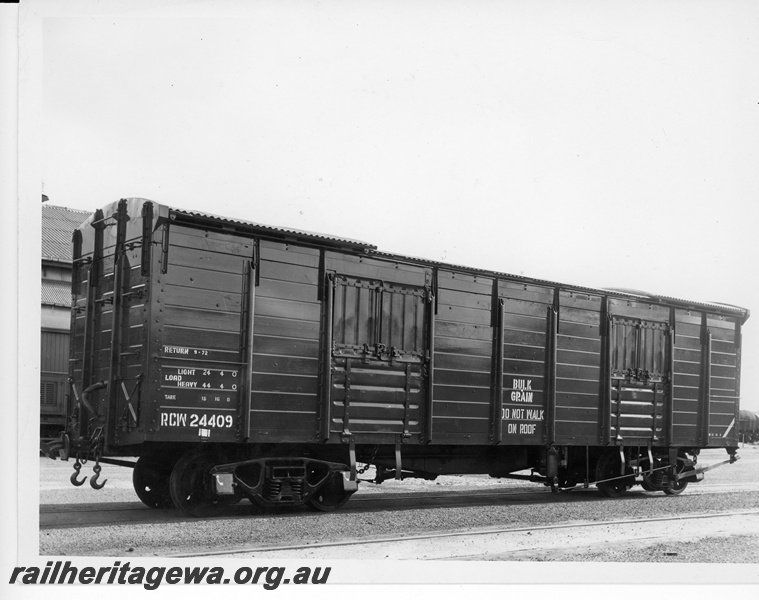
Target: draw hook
94, 479
75, 475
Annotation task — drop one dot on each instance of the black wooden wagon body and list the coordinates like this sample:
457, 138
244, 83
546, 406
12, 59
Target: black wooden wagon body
238, 359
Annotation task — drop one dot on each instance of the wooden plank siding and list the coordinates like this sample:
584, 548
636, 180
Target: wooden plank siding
284, 402
463, 347
579, 369
724, 382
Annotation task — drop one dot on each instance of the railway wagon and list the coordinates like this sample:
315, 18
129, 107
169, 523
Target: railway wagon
238, 360
748, 428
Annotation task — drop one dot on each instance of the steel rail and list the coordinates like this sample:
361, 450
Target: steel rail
430, 536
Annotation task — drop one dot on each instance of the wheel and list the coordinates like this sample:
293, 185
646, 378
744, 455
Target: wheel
150, 479
330, 496
191, 486
672, 487
608, 468
648, 487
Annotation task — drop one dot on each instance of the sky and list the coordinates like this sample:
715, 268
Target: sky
603, 144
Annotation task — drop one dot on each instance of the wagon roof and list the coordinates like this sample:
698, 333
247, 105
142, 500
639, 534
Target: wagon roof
277, 231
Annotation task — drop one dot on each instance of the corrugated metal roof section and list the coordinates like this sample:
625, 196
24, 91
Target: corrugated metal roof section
281, 231
58, 225
56, 293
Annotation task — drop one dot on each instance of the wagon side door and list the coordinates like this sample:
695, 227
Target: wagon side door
378, 359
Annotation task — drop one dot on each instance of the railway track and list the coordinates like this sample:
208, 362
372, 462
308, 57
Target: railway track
59, 516
374, 547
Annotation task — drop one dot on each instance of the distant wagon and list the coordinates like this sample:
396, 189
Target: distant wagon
241, 360
748, 427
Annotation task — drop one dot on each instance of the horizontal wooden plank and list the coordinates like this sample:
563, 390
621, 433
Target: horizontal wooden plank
383, 270
687, 343
688, 316
525, 323
290, 255
577, 357
199, 298
463, 315
576, 414
273, 401
721, 384
632, 408
685, 393
638, 310
580, 300
462, 378
525, 291
265, 344
462, 363
524, 338
461, 409
522, 307
290, 247
687, 368
207, 260
582, 330
188, 277
571, 400
511, 351
282, 327
461, 394
459, 425
681, 379
523, 368
285, 364
464, 299
288, 309
687, 355
450, 280
575, 386
285, 272
462, 330
463, 346
684, 418
287, 290
360, 412
720, 358
725, 336
202, 319
379, 396
577, 372
689, 329
208, 234
393, 381
729, 371
201, 338
575, 315
720, 322
284, 382
565, 342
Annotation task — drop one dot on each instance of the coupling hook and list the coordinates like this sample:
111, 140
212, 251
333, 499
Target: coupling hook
75, 474
94, 479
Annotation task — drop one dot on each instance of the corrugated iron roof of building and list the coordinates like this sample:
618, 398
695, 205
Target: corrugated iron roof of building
58, 225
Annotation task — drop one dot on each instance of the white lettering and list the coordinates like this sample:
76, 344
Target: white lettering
175, 350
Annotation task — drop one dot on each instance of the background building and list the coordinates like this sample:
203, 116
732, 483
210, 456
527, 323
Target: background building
58, 225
